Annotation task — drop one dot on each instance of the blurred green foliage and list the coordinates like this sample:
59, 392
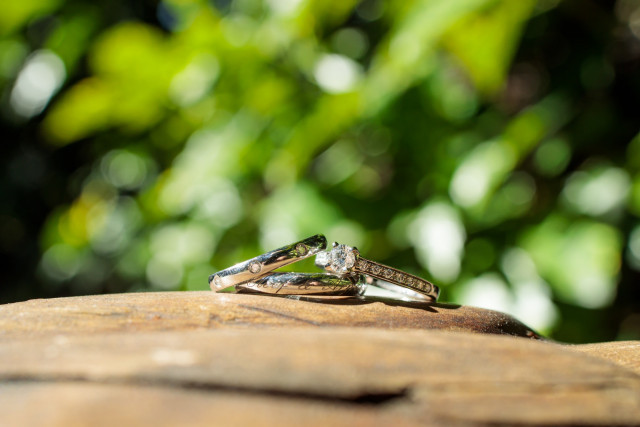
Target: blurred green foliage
491, 145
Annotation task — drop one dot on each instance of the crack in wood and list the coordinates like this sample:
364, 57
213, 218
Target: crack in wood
278, 314
365, 398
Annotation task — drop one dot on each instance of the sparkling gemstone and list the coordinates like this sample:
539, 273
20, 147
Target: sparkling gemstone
376, 269
255, 267
323, 258
342, 259
217, 281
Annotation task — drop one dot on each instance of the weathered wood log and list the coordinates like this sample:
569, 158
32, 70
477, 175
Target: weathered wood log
188, 310
206, 359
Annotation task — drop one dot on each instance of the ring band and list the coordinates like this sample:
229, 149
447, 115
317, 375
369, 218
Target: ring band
300, 284
402, 293
344, 260
262, 265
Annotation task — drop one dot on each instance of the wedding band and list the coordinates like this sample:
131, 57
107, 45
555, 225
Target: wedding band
262, 265
344, 260
402, 293
300, 284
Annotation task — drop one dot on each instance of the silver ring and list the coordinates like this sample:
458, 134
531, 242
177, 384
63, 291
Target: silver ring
344, 260
402, 293
300, 284
262, 265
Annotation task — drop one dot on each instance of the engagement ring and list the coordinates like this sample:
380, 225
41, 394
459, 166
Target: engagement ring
346, 261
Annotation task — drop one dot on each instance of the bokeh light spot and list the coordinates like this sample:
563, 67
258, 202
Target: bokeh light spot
597, 191
633, 253
487, 291
164, 272
338, 162
552, 157
124, 169
61, 262
350, 42
40, 78
438, 236
337, 73
579, 259
479, 172
370, 10
520, 189
195, 81
284, 7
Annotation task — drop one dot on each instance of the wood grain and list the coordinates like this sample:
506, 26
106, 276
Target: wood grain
622, 353
205, 359
427, 376
189, 310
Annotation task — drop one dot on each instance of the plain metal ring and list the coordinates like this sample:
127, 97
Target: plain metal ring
262, 265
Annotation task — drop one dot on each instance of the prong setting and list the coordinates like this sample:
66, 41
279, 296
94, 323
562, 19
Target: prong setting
345, 260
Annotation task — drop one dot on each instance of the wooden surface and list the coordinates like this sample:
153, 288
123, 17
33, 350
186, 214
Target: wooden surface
200, 358
188, 310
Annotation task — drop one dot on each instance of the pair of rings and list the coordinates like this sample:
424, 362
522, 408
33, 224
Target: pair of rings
347, 273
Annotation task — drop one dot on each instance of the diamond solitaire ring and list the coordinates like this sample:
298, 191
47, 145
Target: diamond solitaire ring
260, 266
344, 261
301, 284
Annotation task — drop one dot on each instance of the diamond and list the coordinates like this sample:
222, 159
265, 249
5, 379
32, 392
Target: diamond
217, 281
302, 249
388, 273
255, 267
322, 259
341, 259
376, 269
